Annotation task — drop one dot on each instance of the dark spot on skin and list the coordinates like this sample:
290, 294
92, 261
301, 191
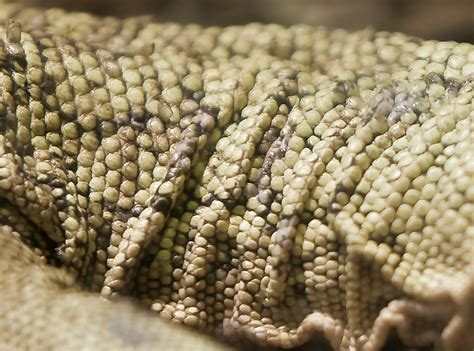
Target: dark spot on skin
27, 150
176, 211
136, 210
434, 78
268, 138
123, 215
190, 245
160, 203
44, 178
57, 183
102, 241
212, 110
268, 229
21, 95
208, 199
61, 204
265, 196
109, 206
105, 229
71, 164
184, 165
229, 203
54, 154
138, 118
344, 89
177, 260
453, 85
172, 173
65, 117
84, 192
198, 95
382, 104
139, 126
340, 188
263, 212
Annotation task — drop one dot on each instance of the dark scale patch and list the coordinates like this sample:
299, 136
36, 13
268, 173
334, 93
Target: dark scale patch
62, 204
207, 199
27, 150
136, 210
138, 118
268, 138
44, 178
276, 150
268, 229
83, 191
198, 95
229, 203
110, 206
434, 78
67, 117
343, 90
452, 86
161, 203
382, 104
123, 215
211, 109
180, 162
21, 95
178, 209
71, 164
3, 117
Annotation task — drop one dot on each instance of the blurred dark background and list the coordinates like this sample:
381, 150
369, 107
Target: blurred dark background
429, 19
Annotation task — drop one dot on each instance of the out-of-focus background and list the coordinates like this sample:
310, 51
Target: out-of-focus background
429, 19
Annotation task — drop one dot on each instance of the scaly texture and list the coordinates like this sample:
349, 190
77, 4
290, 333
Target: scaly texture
253, 181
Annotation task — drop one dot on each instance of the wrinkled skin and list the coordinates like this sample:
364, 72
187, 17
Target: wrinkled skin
260, 183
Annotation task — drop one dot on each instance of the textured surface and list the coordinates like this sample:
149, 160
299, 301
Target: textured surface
257, 182
429, 19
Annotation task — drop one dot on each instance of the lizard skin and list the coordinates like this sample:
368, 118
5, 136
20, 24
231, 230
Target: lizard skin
255, 182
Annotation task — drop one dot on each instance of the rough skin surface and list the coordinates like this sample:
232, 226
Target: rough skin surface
255, 182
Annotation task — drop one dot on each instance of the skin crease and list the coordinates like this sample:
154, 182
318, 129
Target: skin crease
257, 183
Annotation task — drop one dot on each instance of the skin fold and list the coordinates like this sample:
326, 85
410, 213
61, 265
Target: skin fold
256, 183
